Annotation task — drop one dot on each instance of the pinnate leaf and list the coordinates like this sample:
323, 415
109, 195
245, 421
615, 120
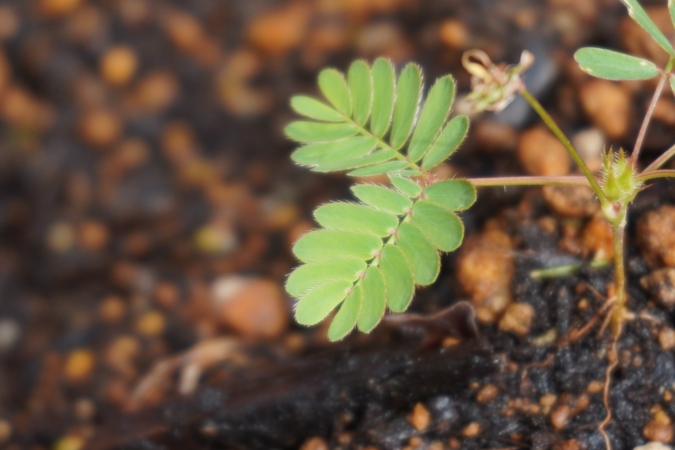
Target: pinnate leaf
330, 154
379, 169
374, 300
447, 142
419, 252
384, 86
453, 195
376, 157
327, 244
408, 93
406, 186
639, 15
432, 118
305, 131
361, 86
443, 228
318, 273
398, 278
314, 306
334, 88
382, 198
612, 65
314, 109
346, 317
354, 217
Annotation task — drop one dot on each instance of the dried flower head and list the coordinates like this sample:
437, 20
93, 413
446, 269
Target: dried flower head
493, 85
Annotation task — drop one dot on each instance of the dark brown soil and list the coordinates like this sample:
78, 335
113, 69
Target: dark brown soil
109, 248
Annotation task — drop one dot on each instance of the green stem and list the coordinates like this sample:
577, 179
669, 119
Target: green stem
661, 160
650, 110
528, 181
619, 314
644, 176
548, 120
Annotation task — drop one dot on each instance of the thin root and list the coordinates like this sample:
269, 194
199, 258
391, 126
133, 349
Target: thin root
614, 357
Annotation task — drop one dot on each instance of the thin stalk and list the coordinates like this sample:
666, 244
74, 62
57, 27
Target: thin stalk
548, 120
619, 314
650, 110
528, 181
661, 160
644, 176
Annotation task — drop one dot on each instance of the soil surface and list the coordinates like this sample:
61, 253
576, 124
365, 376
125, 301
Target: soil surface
148, 207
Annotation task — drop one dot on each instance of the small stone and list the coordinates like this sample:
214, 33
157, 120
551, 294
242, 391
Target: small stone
658, 432
156, 91
560, 416
20, 108
280, 30
472, 430
9, 23
597, 239
100, 127
233, 87
487, 393
517, 319
60, 237
661, 284
571, 201
184, 31
608, 106
84, 409
69, 443
595, 387
315, 443
541, 153
495, 137
120, 355
166, 294
112, 309
151, 323
79, 365
653, 446
420, 417
93, 235
570, 444
590, 143
119, 65
454, 34
5, 431
484, 269
252, 307
59, 7
667, 338
656, 236
10, 332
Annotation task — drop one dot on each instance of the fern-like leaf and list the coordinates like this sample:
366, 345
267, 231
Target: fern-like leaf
369, 256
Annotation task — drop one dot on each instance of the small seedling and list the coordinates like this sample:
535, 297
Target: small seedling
370, 255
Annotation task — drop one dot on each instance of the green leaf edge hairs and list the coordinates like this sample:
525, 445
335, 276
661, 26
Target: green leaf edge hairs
370, 255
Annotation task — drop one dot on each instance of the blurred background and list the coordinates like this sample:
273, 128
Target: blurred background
147, 201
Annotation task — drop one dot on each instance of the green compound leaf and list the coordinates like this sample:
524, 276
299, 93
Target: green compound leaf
612, 65
334, 88
346, 317
406, 186
382, 198
314, 306
398, 278
327, 244
319, 273
380, 169
305, 131
374, 300
329, 154
384, 86
314, 109
420, 253
354, 217
376, 157
408, 94
433, 116
638, 14
361, 86
449, 140
453, 195
443, 228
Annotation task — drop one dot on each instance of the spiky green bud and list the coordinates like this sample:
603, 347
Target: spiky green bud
620, 182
